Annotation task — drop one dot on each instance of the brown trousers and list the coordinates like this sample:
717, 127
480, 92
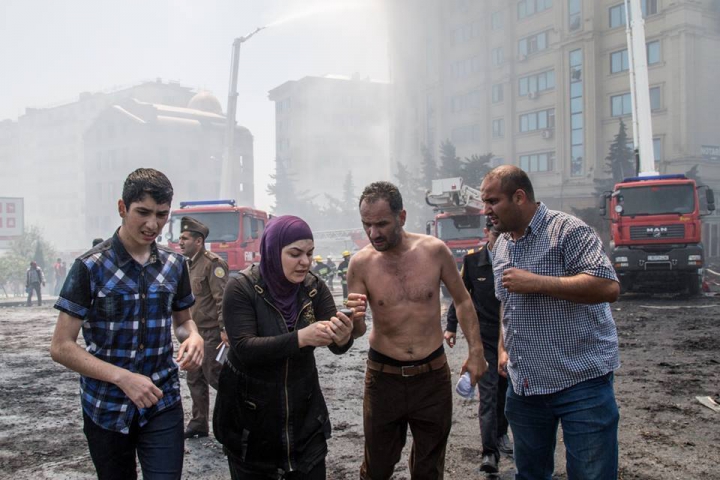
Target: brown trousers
201, 379
391, 404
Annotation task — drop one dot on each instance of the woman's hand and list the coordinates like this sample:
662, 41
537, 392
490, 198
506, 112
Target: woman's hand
341, 329
317, 334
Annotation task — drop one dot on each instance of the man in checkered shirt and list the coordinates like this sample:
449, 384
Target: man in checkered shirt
558, 341
125, 294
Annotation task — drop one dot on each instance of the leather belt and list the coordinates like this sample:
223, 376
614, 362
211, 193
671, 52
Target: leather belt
409, 370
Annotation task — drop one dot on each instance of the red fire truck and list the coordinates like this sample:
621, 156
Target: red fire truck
656, 232
458, 218
234, 231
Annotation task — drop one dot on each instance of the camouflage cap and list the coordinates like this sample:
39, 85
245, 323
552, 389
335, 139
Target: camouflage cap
189, 224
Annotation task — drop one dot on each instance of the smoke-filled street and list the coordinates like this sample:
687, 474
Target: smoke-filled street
669, 350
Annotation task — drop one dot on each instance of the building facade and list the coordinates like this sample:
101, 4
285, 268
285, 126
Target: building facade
543, 84
328, 126
43, 157
185, 143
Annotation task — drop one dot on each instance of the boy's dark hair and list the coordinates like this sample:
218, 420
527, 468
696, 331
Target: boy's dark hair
383, 191
147, 181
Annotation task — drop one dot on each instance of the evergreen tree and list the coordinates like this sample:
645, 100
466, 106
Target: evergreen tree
428, 168
475, 168
450, 164
288, 200
620, 162
413, 193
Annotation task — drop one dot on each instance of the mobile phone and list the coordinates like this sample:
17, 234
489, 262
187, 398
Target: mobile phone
347, 312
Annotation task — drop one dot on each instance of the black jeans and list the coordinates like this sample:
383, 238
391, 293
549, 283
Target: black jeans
243, 472
159, 446
38, 291
491, 411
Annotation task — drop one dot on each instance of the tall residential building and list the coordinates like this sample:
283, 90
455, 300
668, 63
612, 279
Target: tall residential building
185, 143
543, 84
328, 126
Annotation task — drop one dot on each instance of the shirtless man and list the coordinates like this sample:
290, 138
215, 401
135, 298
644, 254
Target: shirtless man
407, 381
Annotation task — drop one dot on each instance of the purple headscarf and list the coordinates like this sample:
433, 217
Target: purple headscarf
280, 232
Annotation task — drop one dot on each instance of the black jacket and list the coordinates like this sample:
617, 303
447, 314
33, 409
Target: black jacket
270, 413
477, 274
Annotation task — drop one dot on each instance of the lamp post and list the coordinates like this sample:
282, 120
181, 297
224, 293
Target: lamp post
227, 176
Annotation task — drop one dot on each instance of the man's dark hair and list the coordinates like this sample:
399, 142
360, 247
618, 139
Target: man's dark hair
147, 181
97, 241
383, 191
512, 179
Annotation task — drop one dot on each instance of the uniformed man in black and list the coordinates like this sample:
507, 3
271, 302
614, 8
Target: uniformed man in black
342, 270
208, 276
477, 274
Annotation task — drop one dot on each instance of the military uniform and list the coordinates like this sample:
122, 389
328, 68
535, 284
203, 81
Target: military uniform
208, 275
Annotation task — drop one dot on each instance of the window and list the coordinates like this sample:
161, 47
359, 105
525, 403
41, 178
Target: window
533, 44
526, 8
466, 101
497, 56
465, 134
577, 120
536, 83
467, 67
497, 93
574, 14
619, 61
498, 128
465, 33
622, 104
496, 21
653, 52
617, 12
529, 122
537, 162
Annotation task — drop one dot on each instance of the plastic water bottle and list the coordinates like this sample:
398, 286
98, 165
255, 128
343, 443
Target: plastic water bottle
464, 388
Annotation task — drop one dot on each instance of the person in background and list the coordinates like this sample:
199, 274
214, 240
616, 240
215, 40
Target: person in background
60, 270
270, 414
208, 276
342, 273
97, 241
477, 275
126, 295
332, 269
321, 269
34, 281
558, 343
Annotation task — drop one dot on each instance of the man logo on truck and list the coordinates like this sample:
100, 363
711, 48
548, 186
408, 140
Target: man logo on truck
657, 231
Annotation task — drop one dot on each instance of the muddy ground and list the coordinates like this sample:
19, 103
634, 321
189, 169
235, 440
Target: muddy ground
670, 352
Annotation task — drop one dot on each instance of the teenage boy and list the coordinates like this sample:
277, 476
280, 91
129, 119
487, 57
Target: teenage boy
125, 294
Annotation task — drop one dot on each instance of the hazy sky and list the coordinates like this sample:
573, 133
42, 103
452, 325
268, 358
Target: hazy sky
52, 50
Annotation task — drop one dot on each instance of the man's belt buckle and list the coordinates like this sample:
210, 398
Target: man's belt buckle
402, 371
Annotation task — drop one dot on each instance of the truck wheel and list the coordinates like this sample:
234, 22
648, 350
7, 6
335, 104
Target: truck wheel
694, 285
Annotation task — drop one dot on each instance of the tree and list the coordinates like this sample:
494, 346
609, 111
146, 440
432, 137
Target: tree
450, 165
428, 167
340, 213
475, 168
30, 246
413, 193
287, 199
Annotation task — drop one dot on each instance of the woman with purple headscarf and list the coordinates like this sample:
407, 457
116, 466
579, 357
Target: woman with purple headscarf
270, 414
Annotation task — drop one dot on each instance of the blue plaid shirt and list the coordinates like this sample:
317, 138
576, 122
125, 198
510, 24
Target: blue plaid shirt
554, 344
126, 310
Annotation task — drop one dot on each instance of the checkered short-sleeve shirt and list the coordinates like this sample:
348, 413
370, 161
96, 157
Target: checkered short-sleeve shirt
554, 344
126, 310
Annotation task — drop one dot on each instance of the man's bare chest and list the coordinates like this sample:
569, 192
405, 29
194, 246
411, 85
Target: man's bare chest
394, 283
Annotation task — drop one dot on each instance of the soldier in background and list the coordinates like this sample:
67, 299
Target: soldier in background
342, 272
331, 274
208, 276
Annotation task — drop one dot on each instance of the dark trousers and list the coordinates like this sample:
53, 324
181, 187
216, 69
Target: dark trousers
159, 446
391, 404
200, 381
38, 291
345, 291
244, 472
491, 411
